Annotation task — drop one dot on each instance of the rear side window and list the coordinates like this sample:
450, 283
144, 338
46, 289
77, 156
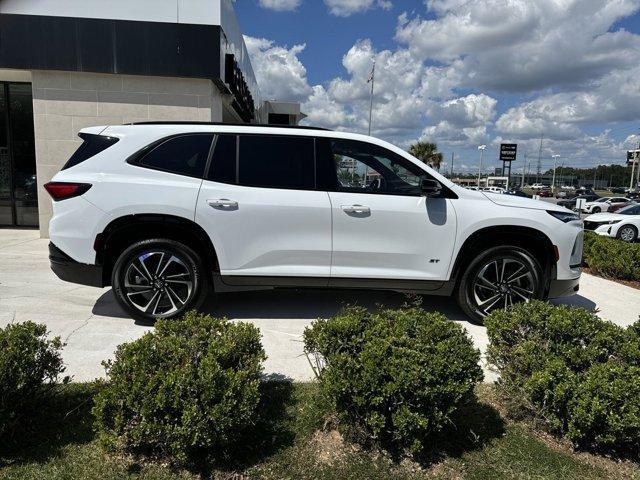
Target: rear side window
183, 155
91, 146
275, 161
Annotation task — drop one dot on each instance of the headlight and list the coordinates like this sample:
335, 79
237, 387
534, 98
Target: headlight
611, 222
565, 217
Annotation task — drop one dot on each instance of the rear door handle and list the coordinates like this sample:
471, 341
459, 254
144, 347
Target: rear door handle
361, 209
223, 203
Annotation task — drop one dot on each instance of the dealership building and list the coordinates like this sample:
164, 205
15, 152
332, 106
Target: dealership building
66, 65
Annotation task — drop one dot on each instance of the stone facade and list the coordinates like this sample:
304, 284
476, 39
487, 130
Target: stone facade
66, 102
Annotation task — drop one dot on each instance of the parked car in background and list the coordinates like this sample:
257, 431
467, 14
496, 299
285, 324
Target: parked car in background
571, 203
492, 189
614, 207
618, 190
545, 193
518, 193
166, 213
624, 224
538, 186
633, 195
602, 204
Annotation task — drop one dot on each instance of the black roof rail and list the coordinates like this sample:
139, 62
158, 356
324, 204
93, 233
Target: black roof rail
229, 125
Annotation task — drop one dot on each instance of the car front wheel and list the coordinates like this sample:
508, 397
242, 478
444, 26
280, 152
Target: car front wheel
497, 279
628, 233
158, 278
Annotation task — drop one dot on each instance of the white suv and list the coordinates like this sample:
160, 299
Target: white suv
166, 212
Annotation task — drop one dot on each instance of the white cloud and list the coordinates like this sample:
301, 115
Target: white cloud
281, 75
344, 8
524, 45
280, 5
614, 98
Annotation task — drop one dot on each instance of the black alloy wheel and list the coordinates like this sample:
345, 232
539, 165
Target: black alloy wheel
158, 278
497, 279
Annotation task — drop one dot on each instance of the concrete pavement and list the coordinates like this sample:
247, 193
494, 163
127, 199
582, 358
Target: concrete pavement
92, 324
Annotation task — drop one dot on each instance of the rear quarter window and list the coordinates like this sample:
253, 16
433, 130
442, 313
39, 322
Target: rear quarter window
183, 155
91, 146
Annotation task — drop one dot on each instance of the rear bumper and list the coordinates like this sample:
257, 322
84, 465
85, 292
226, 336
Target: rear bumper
69, 270
564, 288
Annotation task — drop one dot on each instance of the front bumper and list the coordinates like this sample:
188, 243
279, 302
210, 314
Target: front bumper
564, 288
69, 270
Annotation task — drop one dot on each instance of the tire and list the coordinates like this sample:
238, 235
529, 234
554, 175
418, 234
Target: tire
149, 286
628, 233
496, 278
596, 210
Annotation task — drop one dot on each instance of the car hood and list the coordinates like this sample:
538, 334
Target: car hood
521, 202
605, 217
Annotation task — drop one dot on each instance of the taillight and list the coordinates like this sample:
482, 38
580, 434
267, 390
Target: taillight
64, 190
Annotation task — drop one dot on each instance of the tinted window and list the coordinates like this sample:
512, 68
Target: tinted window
92, 145
184, 155
367, 168
276, 162
223, 162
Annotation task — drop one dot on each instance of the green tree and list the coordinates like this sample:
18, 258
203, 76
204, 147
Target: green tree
427, 152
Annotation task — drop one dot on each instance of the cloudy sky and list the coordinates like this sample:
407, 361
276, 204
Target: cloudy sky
459, 72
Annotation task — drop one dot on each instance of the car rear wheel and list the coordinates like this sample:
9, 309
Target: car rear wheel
628, 233
159, 278
497, 279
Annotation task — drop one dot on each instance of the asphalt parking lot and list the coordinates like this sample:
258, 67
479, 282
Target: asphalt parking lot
92, 325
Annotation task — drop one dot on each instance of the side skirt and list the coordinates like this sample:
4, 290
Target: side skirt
237, 283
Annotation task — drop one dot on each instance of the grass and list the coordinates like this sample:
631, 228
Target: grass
294, 441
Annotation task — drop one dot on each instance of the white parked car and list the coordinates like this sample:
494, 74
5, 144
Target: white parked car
602, 204
538, 186
165, 213
493, 189
623, 224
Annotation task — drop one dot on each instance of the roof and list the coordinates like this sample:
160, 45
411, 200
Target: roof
251, 125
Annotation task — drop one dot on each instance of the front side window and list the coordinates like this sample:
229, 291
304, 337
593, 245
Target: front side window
184, 155
275, 161
367, 168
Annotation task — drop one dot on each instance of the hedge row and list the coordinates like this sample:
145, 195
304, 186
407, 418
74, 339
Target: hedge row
576, 372
612, 258
190, 391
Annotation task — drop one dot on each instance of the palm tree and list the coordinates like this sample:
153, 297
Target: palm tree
427, 152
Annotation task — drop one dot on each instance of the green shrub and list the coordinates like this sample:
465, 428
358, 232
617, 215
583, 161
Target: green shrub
605, 409
394, 376
555, 362
29, 365
612, 258
185, 392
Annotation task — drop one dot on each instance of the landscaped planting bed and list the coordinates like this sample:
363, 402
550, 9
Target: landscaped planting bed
398, 397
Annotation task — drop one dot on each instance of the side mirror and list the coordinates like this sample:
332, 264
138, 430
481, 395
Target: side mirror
430, 188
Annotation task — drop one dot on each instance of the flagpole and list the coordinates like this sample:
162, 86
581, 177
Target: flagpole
373, 80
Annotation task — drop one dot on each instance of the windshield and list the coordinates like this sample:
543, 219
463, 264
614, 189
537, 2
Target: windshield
630, 210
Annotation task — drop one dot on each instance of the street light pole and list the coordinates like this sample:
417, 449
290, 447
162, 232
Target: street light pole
372, 80
553, 182
481, 148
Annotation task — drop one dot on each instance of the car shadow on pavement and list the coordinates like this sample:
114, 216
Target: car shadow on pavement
310, 304
300, 304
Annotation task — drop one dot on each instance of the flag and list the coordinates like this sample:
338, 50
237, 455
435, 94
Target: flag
372, 74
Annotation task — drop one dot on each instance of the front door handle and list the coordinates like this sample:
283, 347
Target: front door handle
223, 203
358, 209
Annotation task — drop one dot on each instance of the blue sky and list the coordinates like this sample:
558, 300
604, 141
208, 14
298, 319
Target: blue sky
459, 72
